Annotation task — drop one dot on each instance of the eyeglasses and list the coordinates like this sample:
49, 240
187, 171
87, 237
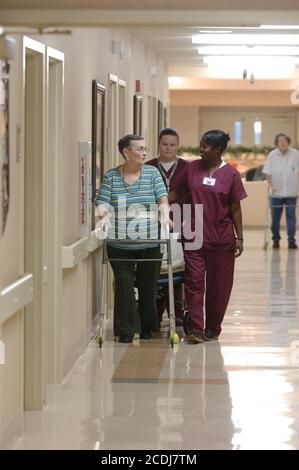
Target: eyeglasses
140, 149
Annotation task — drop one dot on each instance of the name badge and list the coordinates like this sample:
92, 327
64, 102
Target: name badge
209, 181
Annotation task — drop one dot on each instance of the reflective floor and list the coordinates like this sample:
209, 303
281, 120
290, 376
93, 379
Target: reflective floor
239, 393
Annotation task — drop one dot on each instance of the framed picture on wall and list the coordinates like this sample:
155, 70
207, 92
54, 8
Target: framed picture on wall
160, 116
165, 118
98, 135
4, 144
137, 115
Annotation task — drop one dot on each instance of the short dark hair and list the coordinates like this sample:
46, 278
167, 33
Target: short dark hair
282, 135
125, 141
169, 131
217, 138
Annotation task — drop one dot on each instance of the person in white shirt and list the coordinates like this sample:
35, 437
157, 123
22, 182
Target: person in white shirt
281, 169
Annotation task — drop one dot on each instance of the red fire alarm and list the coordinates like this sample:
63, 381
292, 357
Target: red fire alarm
138, 86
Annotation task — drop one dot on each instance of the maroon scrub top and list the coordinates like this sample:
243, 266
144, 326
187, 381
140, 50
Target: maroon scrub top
181, 165
218, 228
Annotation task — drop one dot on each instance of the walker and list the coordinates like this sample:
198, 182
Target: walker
174, 337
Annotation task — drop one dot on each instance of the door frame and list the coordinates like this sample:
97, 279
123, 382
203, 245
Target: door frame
112, 151
54, 210
33, 220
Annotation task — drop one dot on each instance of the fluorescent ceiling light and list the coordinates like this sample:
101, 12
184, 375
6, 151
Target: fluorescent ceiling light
279, 26
248, 51
205, 28
210, 31
250, 39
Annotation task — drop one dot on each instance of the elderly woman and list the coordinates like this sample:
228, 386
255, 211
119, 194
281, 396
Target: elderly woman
131, 191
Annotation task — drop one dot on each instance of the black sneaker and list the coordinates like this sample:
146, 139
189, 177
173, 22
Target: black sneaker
194, 338
125, 339
145, 335
210, 335
186, 318
293, 246
275, 244
178, 322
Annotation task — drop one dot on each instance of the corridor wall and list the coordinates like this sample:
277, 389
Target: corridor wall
90, 53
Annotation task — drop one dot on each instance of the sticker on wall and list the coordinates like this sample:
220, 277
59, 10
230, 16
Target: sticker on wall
4, 143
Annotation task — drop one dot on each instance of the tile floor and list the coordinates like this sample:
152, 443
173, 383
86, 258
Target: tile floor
239, 393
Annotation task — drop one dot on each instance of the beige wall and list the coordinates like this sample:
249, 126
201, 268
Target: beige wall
255, 208
192, 122
11, 381
273, 122
88, 56
186, 121
279, 98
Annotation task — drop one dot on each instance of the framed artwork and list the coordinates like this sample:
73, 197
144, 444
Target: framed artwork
160, 116
137, 115
98, 135
165, 118
4, 143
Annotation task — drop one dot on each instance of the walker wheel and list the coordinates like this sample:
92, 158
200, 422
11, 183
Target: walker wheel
176, 338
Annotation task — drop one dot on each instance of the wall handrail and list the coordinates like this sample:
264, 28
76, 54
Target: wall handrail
16, 296
81, 249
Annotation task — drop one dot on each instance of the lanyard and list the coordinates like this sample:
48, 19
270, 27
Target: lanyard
167, 178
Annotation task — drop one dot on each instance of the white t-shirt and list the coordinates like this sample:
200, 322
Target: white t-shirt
284, 169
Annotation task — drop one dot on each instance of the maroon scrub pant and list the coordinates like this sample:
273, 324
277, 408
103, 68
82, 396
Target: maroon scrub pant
209, 273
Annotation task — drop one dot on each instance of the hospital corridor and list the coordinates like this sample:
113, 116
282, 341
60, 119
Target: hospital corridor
115, 336
238, 393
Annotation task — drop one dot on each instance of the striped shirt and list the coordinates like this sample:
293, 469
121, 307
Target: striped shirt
133, 207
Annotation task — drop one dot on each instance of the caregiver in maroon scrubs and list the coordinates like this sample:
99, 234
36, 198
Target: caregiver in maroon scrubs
209, 270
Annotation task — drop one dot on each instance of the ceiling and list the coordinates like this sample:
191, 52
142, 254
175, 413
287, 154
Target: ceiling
167, 27
175, 46
149, 4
